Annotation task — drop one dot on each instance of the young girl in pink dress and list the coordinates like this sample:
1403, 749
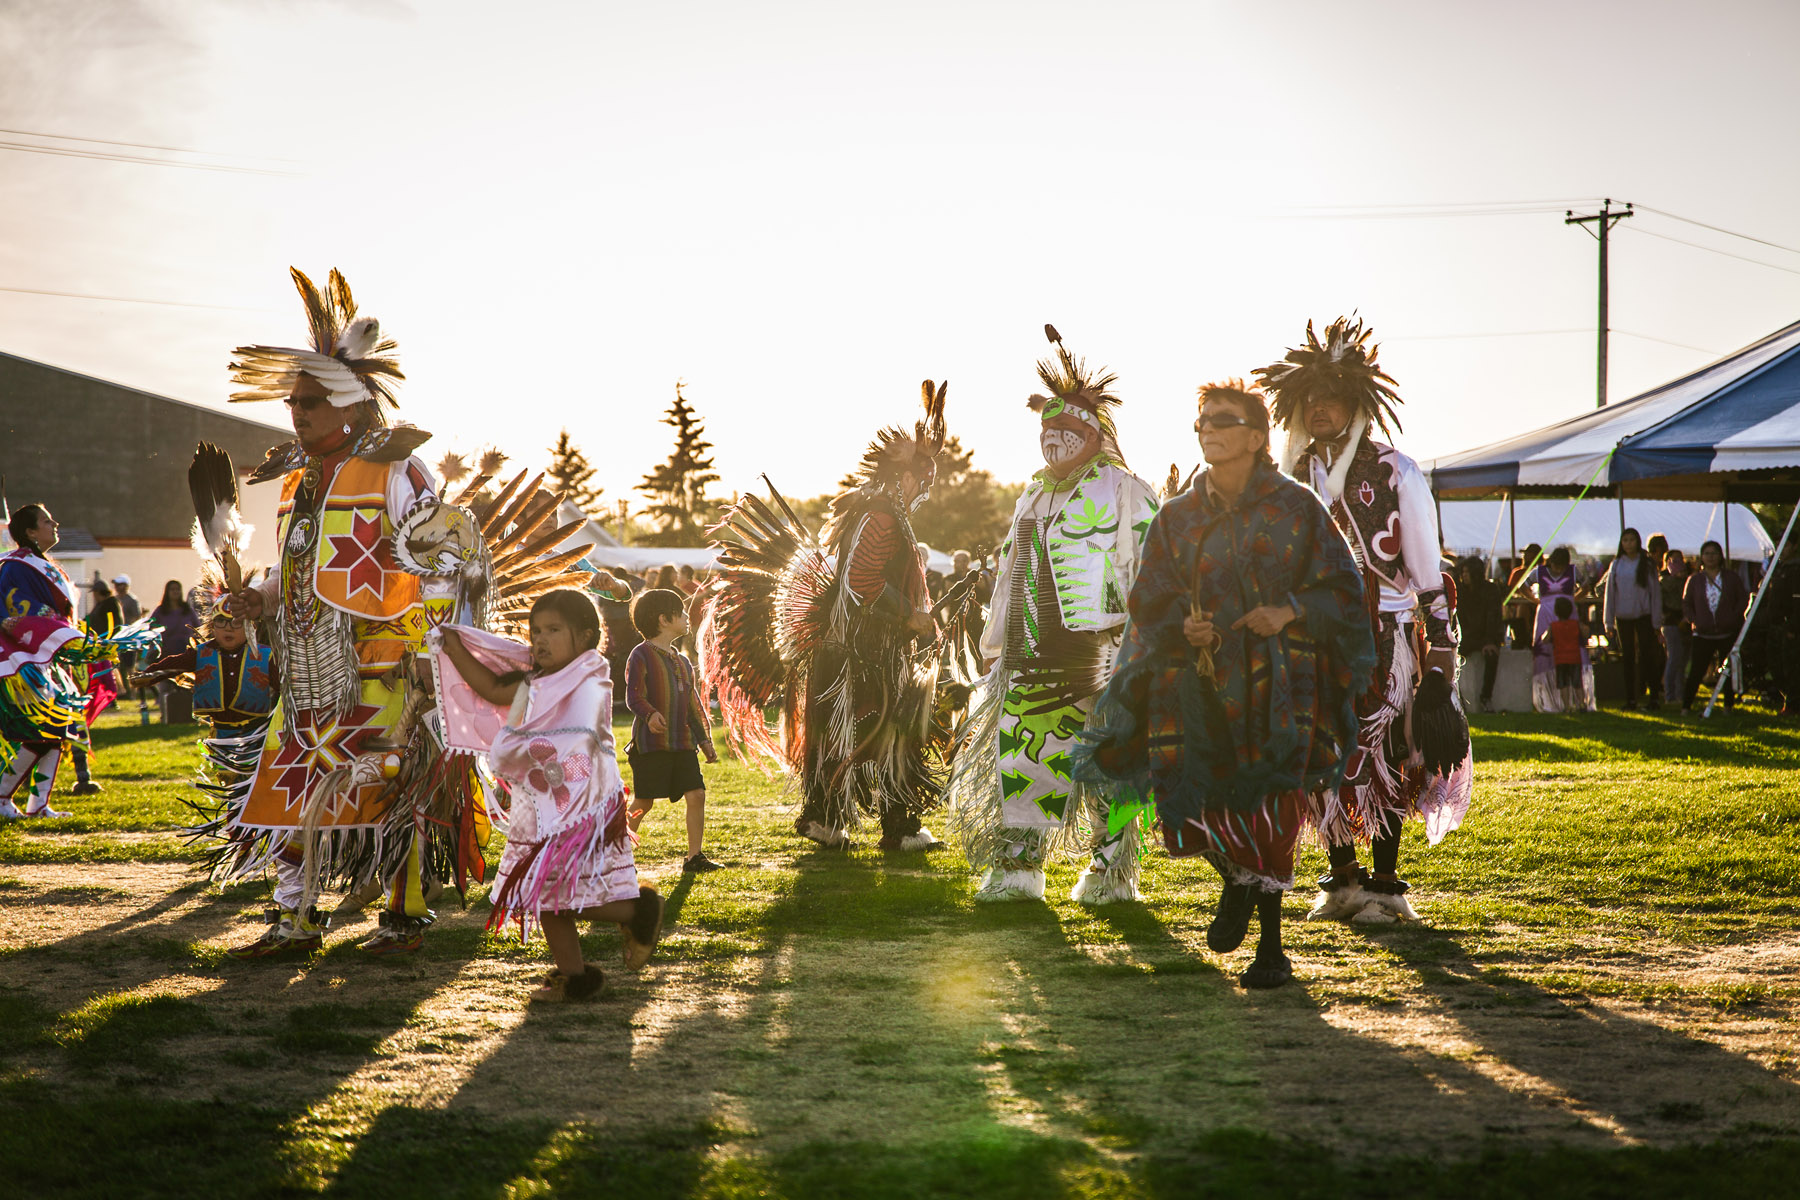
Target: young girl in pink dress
543, 716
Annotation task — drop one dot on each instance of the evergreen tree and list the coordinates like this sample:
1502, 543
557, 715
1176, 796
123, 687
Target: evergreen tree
677, 488
571, 474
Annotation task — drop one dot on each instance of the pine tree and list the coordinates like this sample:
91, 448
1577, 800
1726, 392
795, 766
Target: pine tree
572, 475
677, 488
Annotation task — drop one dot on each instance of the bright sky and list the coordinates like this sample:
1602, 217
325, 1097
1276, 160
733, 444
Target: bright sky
802, 209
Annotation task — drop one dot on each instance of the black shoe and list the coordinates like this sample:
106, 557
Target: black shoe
1268, 971
1232, 921
86, 787
698, 863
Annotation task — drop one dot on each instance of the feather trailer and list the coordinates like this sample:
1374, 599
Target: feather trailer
1439, 728
220, 532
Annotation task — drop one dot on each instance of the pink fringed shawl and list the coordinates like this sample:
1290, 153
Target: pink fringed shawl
567, 844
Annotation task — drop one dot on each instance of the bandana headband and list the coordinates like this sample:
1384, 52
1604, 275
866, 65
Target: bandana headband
1056, 406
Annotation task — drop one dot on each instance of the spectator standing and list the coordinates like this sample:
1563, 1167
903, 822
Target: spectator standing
179, 622
103, 611
1675, 631
1629, 610
1778, 620
1566, 639
1481, 621
129, 612
1520, 610
1713, 603
685, 583
1657, 546
1553, 581
614, 591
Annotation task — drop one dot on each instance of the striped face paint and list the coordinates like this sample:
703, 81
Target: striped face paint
1062, 445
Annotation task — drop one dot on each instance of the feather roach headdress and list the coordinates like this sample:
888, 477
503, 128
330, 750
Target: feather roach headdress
897, 451
1343, 365
1073, 385
349, 357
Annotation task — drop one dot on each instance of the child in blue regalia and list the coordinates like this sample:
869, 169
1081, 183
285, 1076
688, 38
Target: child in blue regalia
235, 684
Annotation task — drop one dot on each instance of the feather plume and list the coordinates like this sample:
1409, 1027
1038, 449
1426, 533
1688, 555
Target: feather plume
220, 532
1172, 484
472, 490
897, 451
347, 355
1341, 365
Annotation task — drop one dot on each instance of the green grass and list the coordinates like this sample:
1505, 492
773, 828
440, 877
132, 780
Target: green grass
879, 1034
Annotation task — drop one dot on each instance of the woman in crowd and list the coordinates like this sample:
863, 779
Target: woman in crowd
1479, 618
1552, 581
1629, 613
179, 622
1713, 603
1675, 632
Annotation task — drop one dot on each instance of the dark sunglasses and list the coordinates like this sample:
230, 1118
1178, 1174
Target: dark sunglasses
1220, 421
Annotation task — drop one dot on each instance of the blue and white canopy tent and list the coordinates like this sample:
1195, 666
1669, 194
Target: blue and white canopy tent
1727, 432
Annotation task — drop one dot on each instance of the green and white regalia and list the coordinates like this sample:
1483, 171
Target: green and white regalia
1052, 633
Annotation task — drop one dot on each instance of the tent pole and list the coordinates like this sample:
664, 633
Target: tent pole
1734, 661
1513, 514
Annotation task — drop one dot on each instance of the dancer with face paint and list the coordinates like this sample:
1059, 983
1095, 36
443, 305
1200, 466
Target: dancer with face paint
1413, 742
841, 631
1048, 647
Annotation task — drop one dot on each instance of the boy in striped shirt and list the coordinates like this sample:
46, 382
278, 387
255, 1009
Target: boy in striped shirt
669, 724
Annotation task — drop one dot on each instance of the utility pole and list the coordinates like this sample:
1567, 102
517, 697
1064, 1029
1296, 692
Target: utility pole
1603, 220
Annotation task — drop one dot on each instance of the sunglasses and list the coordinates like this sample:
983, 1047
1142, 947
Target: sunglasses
1220, 421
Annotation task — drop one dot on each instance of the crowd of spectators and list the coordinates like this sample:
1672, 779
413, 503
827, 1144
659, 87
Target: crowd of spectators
1668, 620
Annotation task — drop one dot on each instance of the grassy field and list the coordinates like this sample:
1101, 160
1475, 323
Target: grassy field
1602, 1003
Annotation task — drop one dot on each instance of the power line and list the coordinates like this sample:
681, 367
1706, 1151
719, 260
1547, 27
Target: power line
1460, 337
146, 160
1714, 249
66, 137
1376, 213
132, 299
1720, 229
1665, 341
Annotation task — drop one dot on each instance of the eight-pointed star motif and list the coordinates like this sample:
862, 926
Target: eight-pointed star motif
363, 554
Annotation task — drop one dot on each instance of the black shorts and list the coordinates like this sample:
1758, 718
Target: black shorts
664, 774
1568, 675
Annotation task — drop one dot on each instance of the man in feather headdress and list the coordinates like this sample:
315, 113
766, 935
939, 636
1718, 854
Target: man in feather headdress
324, 802
841, 631
1048, 647
1413, 742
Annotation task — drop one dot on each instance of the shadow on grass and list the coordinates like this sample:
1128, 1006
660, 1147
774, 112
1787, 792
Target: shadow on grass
1635, 1078
1735, 740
